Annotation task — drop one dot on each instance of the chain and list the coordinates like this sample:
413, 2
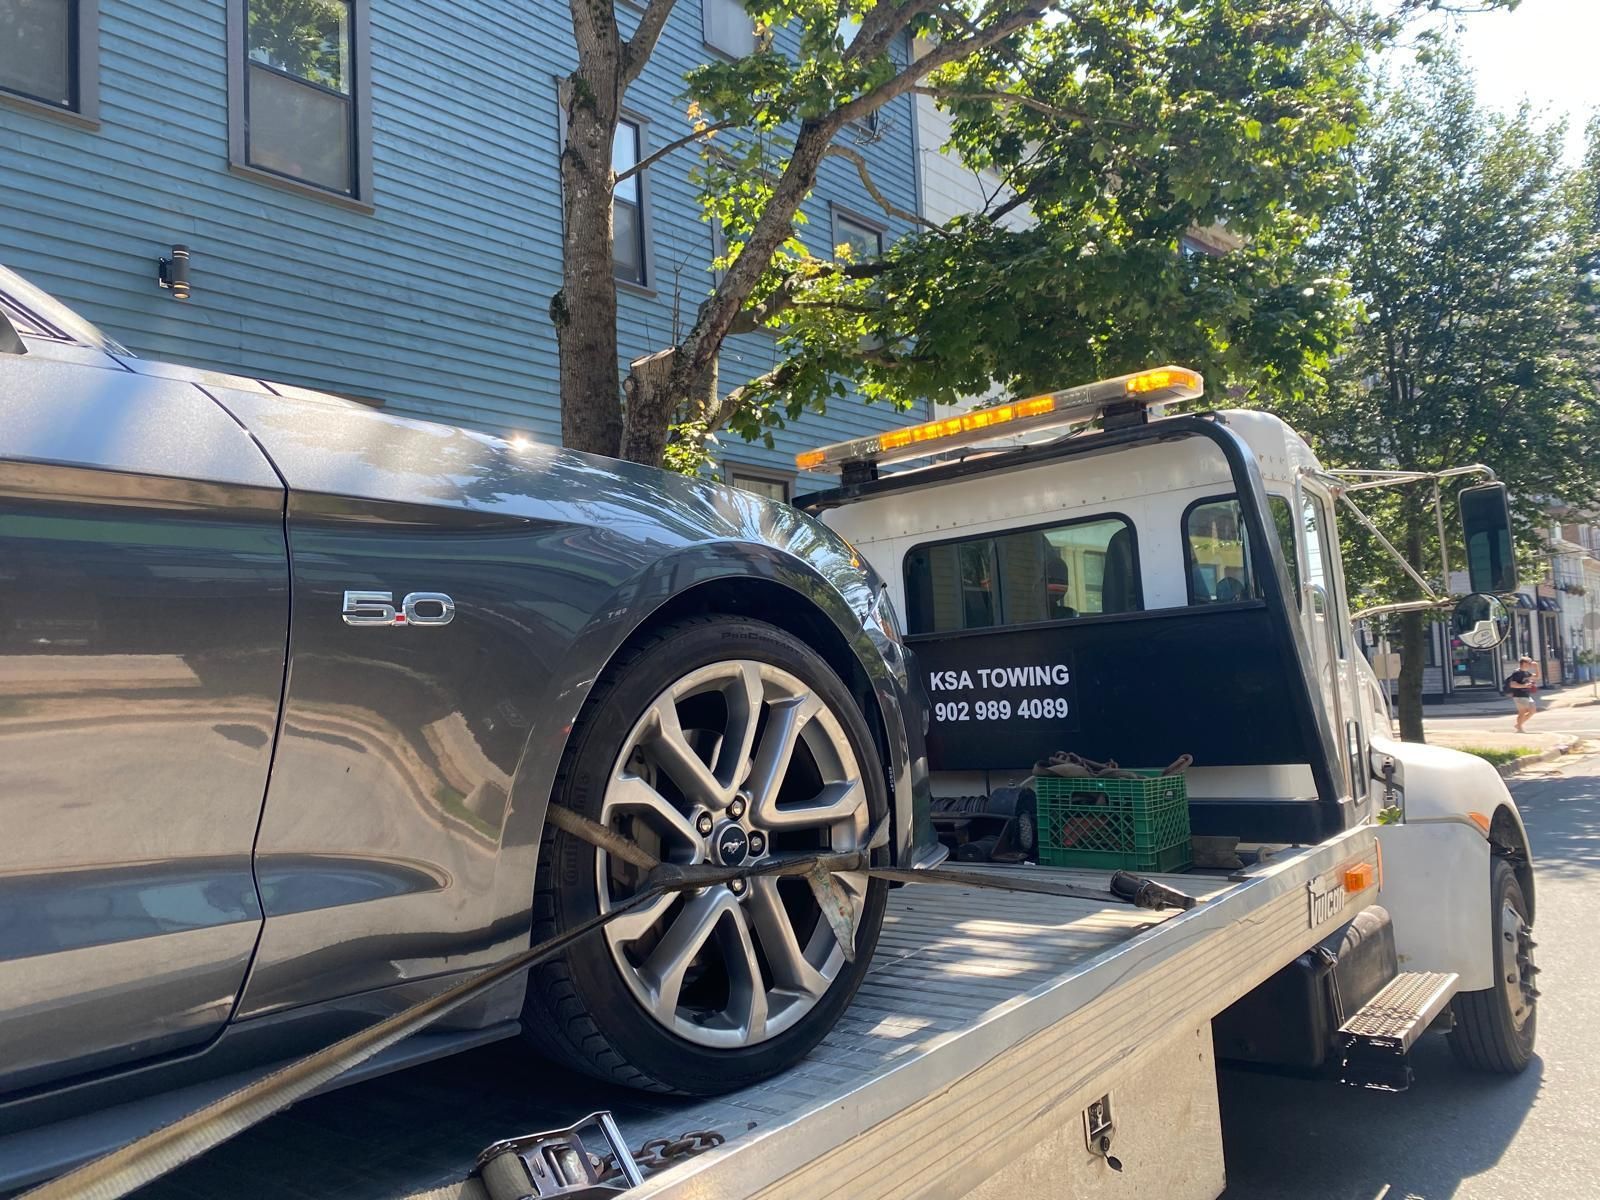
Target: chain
663, 1152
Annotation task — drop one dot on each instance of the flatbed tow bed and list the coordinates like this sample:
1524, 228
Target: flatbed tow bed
991, 1019
989, 1022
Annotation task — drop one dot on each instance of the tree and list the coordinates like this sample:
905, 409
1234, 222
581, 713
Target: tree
1460, 243
1118, 124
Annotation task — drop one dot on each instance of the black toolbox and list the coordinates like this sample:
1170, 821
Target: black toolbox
1290, 1019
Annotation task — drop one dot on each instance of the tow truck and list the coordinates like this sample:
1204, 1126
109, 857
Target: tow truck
1142, 584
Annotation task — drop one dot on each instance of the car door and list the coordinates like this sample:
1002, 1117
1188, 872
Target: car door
144, 603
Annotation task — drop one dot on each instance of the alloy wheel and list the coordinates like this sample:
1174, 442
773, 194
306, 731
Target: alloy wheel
733, 762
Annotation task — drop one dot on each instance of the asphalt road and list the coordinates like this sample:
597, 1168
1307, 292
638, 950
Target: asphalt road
1456, 1134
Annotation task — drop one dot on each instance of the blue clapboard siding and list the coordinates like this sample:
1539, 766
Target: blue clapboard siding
435, 302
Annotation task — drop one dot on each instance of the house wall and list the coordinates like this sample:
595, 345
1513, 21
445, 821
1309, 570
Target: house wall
434, 299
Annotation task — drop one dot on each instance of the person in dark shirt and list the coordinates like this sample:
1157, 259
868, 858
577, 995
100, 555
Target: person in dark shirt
1520, 685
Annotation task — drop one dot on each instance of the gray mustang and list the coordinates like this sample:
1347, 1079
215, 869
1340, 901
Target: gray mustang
287, 683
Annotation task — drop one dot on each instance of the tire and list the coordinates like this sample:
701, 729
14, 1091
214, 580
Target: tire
1494, 1029
714, 990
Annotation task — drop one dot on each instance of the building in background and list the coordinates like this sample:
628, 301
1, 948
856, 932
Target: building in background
1575, 573
370, 196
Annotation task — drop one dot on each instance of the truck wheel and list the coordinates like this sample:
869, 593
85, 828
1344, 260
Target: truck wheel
715, 739
1494, 1028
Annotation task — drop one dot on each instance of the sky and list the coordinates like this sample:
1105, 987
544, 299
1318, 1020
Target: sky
1547, 51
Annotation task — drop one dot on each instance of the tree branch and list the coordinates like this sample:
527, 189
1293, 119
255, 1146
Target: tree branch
655, 156
1040, 106
859, 161
941, 55
636, 50
882, 23
748, 320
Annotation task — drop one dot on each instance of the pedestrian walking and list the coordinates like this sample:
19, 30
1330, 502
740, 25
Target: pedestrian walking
1521, 684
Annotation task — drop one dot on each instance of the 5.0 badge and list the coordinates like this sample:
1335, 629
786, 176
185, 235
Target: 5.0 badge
417, 608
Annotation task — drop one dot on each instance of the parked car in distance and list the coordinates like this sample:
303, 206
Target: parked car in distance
287, 683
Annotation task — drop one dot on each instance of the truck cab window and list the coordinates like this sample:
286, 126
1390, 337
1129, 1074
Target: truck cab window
1317, 528
1217, 550
1083, 568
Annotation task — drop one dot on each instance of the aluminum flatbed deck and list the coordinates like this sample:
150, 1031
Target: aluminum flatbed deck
987, 1023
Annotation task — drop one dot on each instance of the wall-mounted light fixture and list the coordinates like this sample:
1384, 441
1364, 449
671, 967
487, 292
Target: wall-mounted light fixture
174, 272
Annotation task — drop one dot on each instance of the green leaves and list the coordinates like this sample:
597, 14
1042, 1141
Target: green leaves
1463, 242
1124, 128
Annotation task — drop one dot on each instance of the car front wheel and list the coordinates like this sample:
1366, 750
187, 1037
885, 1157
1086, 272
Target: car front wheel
714, 740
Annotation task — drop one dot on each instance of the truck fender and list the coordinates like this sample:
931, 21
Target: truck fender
1459, 815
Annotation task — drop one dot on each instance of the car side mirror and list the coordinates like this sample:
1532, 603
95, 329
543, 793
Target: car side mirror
1486, 525
1480, 621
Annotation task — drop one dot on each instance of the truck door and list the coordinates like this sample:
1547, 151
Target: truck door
1328, 629
144, 606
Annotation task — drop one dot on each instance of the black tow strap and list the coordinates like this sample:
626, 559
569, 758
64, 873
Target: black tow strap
166, 1149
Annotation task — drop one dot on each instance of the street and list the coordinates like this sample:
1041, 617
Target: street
1456, 1134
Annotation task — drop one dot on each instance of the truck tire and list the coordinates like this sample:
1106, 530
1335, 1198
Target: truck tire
713, 739
1494, 1029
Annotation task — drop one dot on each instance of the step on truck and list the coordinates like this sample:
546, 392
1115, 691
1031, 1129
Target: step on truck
1089, 577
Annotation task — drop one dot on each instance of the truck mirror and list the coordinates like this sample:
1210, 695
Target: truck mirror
1480, 621
1486, 525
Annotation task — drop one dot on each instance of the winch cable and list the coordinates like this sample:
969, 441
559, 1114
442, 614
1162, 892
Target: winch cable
164, 1150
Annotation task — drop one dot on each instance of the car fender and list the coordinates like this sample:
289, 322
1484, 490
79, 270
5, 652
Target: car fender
829, 583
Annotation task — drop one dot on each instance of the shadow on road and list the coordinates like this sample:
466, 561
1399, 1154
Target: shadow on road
1320, 1141
1562, 814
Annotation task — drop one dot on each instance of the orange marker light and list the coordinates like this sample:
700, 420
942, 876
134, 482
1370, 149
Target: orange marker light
1360, 877
1481, 821
1162, 378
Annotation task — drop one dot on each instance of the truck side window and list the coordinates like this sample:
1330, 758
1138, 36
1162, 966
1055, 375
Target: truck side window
1055, 573
1217, 550
1315, 522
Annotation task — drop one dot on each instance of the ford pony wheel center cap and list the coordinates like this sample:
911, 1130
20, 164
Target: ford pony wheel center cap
731, 844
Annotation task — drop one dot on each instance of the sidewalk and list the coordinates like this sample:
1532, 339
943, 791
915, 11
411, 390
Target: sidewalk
1577, 695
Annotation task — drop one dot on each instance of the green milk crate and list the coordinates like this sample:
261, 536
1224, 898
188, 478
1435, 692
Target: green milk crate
1111, 824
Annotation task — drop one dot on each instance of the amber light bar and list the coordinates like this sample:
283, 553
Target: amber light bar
1079, 405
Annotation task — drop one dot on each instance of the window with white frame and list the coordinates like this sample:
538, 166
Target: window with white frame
629, 260
727, 27
300, 71
48, 53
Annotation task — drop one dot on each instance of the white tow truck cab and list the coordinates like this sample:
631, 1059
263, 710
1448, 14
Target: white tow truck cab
1148, 586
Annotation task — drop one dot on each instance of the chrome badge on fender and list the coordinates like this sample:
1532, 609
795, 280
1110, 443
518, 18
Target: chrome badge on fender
417, 608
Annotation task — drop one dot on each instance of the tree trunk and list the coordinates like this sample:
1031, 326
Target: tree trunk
650, 407
1413, 653
584, 311
685, 380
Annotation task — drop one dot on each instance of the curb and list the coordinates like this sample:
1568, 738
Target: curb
1532, 760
